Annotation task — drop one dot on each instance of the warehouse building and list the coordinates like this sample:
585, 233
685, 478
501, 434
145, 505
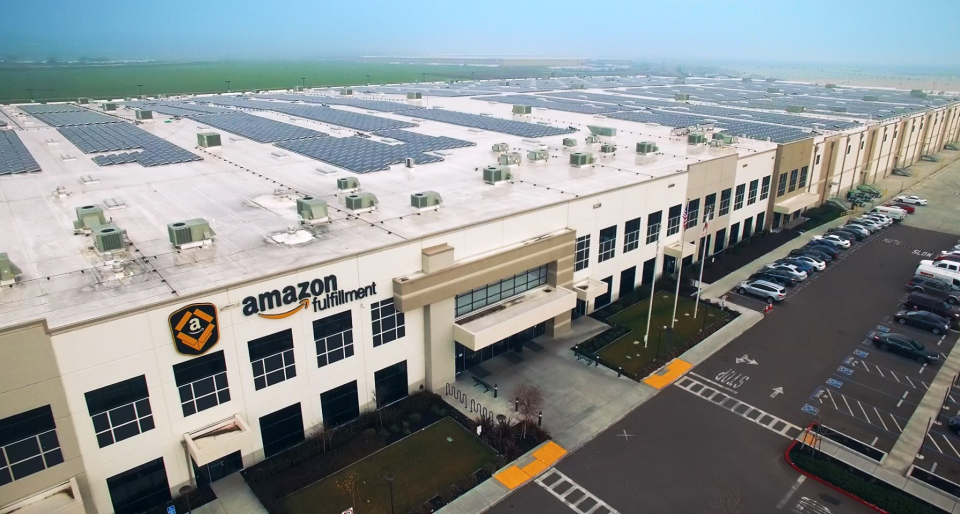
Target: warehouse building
187, 296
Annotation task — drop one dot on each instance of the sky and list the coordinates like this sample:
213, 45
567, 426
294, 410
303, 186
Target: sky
861, 32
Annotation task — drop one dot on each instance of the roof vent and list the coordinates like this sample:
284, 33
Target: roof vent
109, 106
414, 96
89, 179
522, 109
409, 162
9, 272
208, 139
108, 238
427, 200
362, 202
723, 138
695, 139
645, 147
144, 115
190, 233
608, 148
312, 210
509, 159
569, 142
538, 155
113, 204
347, 91
581, 159
602, 131
348, 184
681, 97
88, 218
591, 140
500, 147
496, 174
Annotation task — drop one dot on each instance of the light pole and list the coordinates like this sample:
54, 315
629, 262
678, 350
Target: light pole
368, 79
659, 333
653, 288
228, 85
140, 87
30, 89
303, 82
703, 259
500, 419
185, 492
683, 227
390, 477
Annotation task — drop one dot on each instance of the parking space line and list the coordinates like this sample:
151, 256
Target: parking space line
895, 423
864, 411
934, 443
881, 419
911, 382
881, 372
832, 400
945, 438
848, 404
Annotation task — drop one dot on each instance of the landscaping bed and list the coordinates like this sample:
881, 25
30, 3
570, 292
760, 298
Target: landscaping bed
818, 216
855, 482
733, 258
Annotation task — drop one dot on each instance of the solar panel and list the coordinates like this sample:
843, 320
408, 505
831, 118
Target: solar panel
557, 104
179, 108
760, 131
71, 118
516, 128
356, 121
114, 137
47, 108
373, 105
259, 129
14, 157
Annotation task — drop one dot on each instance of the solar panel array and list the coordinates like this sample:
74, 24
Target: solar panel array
356, 121
259, 129
113, 137
71, 118
760, 131
516, 128
179, 108
14, 157
46, 108
362, 155
609, 99
557, 104
766, 117
373, 105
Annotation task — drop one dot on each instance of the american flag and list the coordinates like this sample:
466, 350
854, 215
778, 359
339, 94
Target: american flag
684, 218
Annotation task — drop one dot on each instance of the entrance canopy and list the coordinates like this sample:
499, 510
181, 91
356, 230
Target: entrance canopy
218, 440
589, 289
492, 324
795, 203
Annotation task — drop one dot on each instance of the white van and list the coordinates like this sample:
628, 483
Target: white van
945, 270
894, 213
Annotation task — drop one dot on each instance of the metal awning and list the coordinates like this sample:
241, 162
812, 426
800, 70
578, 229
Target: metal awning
486, 327
589, 289
674, 250
218, 440
795, 203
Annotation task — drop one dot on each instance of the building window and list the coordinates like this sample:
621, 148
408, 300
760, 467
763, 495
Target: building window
725, 202
894, 134
608, 243
340, 404
719, 240
673, 220
631, 235
884, 138
848, 149
738, 199
817, 160
272, 359
653, 226
803, 177
709, 204
139, 489
120, 411
861, 144
500, 290
334, 338
281, 429
202, 382
765, 188
752, 194
390, 384
793, 180
781, 185
28, 444
388, 323
582, 258
693, 212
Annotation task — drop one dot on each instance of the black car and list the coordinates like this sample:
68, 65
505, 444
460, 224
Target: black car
812, 251
903, 345
935, 287
925, 302
849, 235
823, 246
924, 320
783, 275
776, 279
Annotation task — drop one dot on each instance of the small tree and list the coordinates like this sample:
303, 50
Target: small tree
350, 483
320, 435
379, 395
529, 404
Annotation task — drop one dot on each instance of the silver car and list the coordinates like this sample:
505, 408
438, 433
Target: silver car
794, 271
767, 290
865, 224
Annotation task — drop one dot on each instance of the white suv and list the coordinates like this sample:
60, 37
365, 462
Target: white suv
767, 290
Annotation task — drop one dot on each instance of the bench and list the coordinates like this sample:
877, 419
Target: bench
477, 382
584, 357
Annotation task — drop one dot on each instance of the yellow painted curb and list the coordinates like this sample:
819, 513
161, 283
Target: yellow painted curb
669, 373
515, 476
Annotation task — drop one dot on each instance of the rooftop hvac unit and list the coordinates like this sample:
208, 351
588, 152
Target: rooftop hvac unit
426, 200
88, 218
108, 238
569, 142
695, 139
578, 86
579, 159
794, 108
645, 147
415, 96
208, 139
871, 98
348, 184
726, 139
522, 109
831, 86
362, 202
509, 159
346, 91
538, 155
591, 140
190, 233
312, 210
9, 272
143, 115
500, 147
83, 100
608, 148
773, 90
602, 131
409, 162
681, 97
917, 93
496, 174
109, 106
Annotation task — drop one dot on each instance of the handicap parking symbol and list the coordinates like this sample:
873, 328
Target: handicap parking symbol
883, 329
834, 382
860, 353
810, 409
845, 371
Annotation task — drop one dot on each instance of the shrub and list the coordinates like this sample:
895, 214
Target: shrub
414, 418
383, 433
394, 428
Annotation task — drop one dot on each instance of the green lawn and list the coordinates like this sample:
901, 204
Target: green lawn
628, 351
425, 463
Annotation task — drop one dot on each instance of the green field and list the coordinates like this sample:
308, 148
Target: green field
68, 82
424, 464
628, 351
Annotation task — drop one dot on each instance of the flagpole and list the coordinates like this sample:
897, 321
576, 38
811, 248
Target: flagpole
676, 295
702, 260
653, 287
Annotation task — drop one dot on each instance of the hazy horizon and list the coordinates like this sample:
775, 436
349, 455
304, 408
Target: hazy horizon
749, 32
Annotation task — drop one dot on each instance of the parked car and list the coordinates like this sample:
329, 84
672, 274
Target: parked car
769, 291
932, 286
823, 256
786, 275
789, 268
909, 208
846, 235
826, 248
781, 281
818, 264
952, 257
927, 269
836, 240
881, 220
924, 320
903, 345
806, 267
943, 264
912, 200
867, 225
929, 303
954, 424
894, 213
856, 228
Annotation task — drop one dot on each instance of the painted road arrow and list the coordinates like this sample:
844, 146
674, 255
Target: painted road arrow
776, 391
748, 360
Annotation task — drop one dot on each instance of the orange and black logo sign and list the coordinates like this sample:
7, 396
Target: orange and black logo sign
195, 328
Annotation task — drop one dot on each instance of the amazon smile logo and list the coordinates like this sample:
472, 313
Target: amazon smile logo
322, 293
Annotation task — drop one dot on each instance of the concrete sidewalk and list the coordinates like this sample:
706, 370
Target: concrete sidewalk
233, 497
